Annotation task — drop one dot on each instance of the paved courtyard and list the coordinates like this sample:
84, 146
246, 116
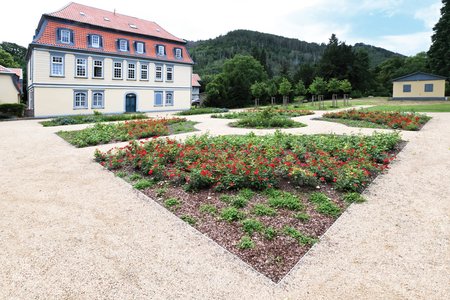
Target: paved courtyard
71, 230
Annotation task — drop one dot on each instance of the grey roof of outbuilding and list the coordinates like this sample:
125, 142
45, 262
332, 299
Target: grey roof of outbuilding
419, 76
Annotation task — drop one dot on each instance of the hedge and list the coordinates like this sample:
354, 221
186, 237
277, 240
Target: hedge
12, 109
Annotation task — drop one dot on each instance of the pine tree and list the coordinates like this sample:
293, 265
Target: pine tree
439, 52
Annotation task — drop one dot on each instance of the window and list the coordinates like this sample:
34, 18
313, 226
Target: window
169, 73
117, 71
140, 47
178, 53
160, 50
158, 98
65, 36
144, 72
95, 41
57, 65
123, 45
159, 73
169, 98
98, 99
131, 71
80, 99
428, 87
81, 67
406, 88
98, 68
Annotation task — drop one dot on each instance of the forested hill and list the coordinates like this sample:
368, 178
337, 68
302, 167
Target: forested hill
281, 55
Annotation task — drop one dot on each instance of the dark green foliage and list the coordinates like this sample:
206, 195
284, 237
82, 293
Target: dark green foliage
439, 52
208, 209
281, 199
324, 205
239, 202
263, 210
298, 236
143, 184
12, 109
171, 202
201, 111
231, 214
354, 197
251, 225
7, 60
270, 233
246, 243
231, 88
18, 54
96, 117
189, 219
304, 217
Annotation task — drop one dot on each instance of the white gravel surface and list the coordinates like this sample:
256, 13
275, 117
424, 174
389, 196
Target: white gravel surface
71, 230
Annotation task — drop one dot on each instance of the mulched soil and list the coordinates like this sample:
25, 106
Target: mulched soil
273, 258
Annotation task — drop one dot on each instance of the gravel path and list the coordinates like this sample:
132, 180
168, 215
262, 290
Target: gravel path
71, 230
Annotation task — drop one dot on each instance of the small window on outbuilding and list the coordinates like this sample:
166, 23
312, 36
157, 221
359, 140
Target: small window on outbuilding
428, 88
406, 88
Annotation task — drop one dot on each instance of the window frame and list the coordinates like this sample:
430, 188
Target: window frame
123, 42
94, 92
161, 77
180, 51
62, 63
137, 43
94, 59
98, 41
61, 36
172, 98
158, 52
172, 73
407, 88
85, 65
75, 93
134, 70
147, 71
162, 99
114, 70
428, 87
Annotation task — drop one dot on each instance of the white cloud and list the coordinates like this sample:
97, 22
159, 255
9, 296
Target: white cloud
408, 44
429, 15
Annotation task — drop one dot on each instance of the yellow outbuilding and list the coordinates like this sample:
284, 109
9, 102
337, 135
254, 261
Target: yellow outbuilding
419, 86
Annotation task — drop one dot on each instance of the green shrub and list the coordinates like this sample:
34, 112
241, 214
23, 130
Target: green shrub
246, 243
304, 217
324, 205
251, 225
263, 210
318, 198
96, 117
231, 214
121, 174
239, 202
298, 236
189, 219
171, 202
270, 233
208, 209
354, 198
143, 184
135, 176
281, 199
201, 110
246, 194
12, 109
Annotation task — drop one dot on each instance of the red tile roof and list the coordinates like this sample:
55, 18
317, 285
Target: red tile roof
94, 16
48, 36
16, 72
195, 80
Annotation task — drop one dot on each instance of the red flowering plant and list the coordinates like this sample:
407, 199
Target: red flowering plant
395, 120
236, 162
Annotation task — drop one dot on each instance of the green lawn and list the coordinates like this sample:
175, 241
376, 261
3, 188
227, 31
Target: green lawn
441, 107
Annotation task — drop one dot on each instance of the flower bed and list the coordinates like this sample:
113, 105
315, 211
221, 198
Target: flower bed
107, 133
268, 118
395, 120
282, 111
265, 198
95, 118
201, 111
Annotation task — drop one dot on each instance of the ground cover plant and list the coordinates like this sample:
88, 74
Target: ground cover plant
267, 199
268, 118
95, 118
289, 111
107, 133
395, 120
201, 111
395, 106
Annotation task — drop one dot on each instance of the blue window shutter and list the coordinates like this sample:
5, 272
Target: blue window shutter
101, 41
58, 35
118, 44
72, 37
143, 44
135, 46
89, 40
128, 45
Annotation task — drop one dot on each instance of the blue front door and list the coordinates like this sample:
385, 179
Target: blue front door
130, 103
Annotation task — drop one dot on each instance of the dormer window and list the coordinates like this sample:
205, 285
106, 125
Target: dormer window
139, 47
122, 45
160, 50
178, 53
95, 41
65, 36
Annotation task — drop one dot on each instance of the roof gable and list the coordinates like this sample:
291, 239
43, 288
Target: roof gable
195, 80
419, 76
99, 17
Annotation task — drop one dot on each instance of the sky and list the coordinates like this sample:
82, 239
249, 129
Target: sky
403, 26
